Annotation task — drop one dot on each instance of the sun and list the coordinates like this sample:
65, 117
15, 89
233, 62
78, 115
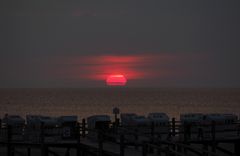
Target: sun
116, 80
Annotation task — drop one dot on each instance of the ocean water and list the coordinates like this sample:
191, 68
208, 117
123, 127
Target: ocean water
91, 101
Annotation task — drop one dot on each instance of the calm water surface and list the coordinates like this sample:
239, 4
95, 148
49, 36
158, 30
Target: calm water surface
85, 102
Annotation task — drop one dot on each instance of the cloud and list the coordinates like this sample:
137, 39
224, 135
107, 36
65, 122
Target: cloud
133, 67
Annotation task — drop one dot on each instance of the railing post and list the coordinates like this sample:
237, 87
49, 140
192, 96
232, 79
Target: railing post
28, 151
174, 149
168, 153
136, 137
152, 129
144, 149
122, 145
213, 131
200, 133
205, 147
100, 143
173, 127
78, 139
42, 140
187, 132
237, 147
173, 131
78, 132
115, 117
83, 128
238, 130
117, 122
159, 152
179, 148
152, 137
9, 140
116, 125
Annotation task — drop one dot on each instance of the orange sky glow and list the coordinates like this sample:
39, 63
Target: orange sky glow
132, 67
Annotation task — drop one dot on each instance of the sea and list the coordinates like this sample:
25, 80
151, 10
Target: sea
85, 102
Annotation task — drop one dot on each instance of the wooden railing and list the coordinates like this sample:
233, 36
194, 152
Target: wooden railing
148, 139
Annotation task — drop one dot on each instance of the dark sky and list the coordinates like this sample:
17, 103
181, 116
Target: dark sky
154, 43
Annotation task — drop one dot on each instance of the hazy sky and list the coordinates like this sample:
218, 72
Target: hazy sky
154, 43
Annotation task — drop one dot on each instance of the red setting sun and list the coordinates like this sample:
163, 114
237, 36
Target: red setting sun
116, 80
118, 70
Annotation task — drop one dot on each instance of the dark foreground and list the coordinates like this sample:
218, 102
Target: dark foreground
178, 140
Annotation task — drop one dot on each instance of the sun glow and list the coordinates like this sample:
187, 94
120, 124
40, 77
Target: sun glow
118, 70
116, 80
